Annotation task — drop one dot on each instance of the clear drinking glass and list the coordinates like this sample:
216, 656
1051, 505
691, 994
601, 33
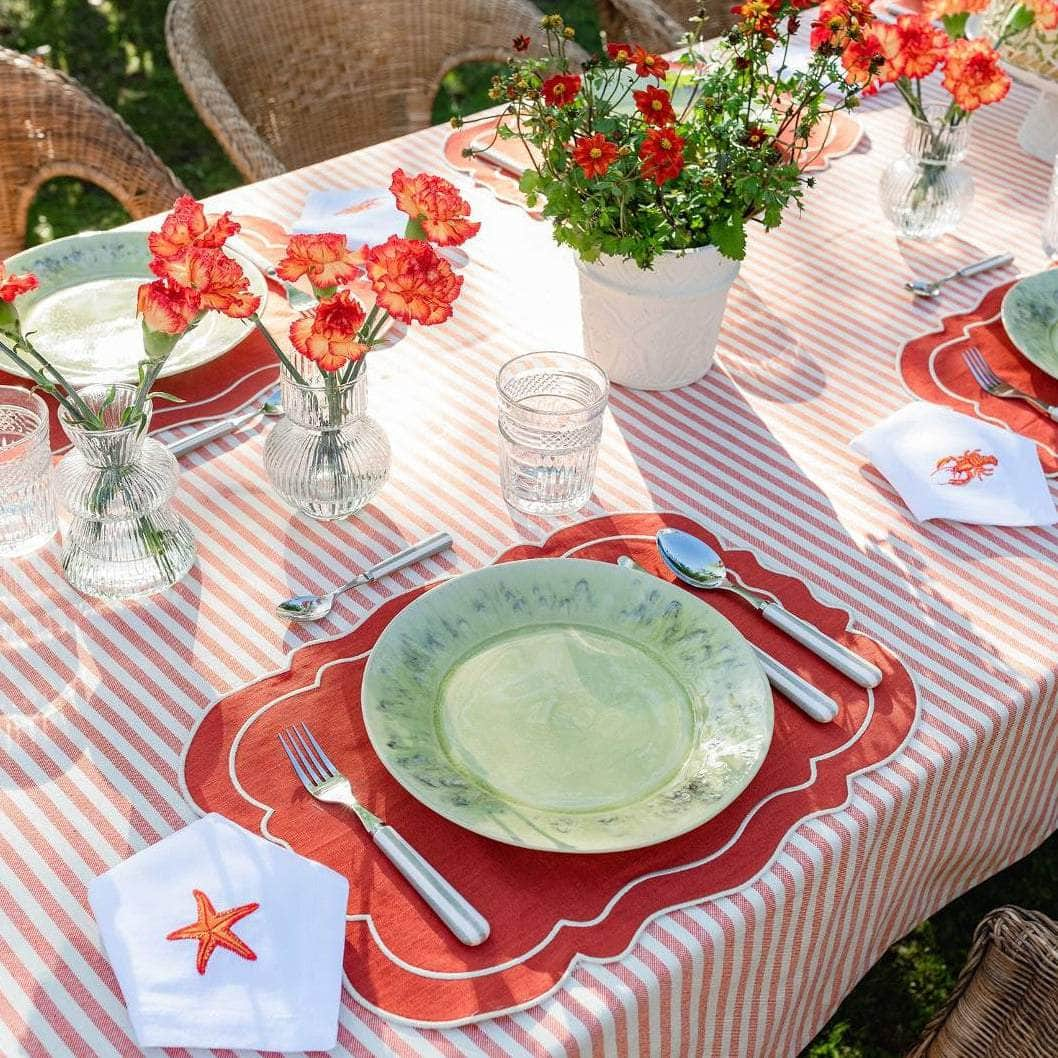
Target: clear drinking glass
1049, 234
27, 513
926, 191
551, 416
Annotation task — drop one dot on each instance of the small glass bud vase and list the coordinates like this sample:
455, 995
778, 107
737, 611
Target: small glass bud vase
926, 191
120, 537
326, 457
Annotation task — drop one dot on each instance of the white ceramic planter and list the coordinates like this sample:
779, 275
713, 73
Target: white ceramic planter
655, 328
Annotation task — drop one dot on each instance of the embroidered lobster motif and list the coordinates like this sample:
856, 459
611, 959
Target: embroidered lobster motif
972, 465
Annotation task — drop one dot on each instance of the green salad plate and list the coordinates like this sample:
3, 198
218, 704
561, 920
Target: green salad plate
82, 317
1030, 317
567, 705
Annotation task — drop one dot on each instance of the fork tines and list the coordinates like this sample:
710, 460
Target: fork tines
983, 375
312, 765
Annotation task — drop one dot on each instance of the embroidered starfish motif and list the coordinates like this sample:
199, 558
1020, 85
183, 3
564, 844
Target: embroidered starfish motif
212, 930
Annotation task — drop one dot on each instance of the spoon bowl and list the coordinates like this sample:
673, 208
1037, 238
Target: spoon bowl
692, 560
923, 288
307, 607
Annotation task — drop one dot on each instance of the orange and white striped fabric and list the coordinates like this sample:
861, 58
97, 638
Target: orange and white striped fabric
99, 701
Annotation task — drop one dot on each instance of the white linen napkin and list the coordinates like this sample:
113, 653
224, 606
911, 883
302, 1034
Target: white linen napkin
948, 465
364, 215
284, 998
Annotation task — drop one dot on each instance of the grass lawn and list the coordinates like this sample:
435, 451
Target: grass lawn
117, 48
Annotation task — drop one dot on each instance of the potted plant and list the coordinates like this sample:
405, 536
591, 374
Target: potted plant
654, 171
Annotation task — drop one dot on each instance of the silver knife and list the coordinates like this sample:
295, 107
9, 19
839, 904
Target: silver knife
271, 407
808, 698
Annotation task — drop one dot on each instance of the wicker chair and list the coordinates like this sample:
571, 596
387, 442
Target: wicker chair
659, 24
51, 126
1005, 1002
283, 83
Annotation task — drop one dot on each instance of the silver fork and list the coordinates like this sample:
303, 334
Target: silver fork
323, 780
991, 383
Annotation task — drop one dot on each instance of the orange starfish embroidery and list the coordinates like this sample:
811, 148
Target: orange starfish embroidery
968, 467
213, 930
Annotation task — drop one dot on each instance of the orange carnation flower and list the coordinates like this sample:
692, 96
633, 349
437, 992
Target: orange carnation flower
594, 154
326, 259
1046, 12
935, 9
560, 89
11, 285
186, 226
662, 155
329, 335
649, 65
412, 281
436, 205
973, 75
218, 279
655, 104
167, 307
922, 46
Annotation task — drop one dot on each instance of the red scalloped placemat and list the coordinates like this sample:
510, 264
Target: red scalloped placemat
545, 908
932, 368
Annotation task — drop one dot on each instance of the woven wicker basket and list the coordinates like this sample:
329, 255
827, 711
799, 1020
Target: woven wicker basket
1005, 1002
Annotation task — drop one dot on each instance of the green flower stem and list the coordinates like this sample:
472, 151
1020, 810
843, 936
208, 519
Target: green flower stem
283, 358
333, 388
81, 412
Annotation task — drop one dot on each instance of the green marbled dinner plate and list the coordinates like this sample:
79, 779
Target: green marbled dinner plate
567, 705
1030, 317
83, 314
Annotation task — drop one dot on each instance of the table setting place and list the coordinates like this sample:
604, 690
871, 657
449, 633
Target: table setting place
434, 783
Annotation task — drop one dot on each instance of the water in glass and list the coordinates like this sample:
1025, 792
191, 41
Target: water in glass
550, 421
27, 512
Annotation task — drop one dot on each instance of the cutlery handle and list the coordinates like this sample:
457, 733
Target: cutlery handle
983, 266
846, 661
454, 910
810, 700
208, 433
410, 555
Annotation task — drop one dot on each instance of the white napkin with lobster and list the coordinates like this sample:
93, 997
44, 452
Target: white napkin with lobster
219, 938
948, 465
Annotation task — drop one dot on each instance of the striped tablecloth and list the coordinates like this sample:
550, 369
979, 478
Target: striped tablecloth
99, 701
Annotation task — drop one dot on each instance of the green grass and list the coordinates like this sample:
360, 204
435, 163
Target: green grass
117, 48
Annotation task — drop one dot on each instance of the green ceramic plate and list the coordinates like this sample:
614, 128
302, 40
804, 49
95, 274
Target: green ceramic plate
567, 705
83, 314
1030, 316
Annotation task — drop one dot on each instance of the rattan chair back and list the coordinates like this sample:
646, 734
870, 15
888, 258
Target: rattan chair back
52, 126
284, 83
660, 24
1005, 1002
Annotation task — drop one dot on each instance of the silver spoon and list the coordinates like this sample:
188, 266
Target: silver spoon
316, 607
271, 407
796, 689
697, 564
930, 288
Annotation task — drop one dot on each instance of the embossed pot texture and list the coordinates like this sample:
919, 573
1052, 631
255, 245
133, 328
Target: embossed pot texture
655, 328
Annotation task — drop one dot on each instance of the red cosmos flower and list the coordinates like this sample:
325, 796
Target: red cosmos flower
186, 226
436, 206
840, 21
973, 75
412, 281
521, 42
326, 259
648, 64
559, 89
922, 46
662, 155
655, 105
755, 135
11, 285
594, 154
758, 16
329, 335
621, 53
860, 57
167, 307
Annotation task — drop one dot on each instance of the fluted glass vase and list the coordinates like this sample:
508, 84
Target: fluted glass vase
120, 536
926, 191
326, 457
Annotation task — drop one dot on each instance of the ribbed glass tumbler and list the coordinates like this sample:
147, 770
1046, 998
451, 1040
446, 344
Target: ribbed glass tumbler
926, 191
326, 457
120, 536
27, 512
551, 409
